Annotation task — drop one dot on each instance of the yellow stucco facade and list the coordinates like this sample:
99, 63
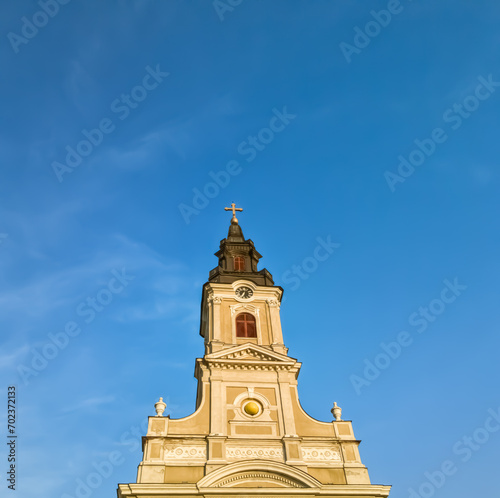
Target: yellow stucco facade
249, 435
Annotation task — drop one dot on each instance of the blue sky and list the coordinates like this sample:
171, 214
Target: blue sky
385, 144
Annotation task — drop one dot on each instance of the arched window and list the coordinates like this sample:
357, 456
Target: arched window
239, 263
245, 325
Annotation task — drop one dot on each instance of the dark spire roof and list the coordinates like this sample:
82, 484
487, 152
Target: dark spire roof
245, 266
235, 233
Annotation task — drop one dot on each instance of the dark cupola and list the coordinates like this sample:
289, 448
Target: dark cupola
238, 258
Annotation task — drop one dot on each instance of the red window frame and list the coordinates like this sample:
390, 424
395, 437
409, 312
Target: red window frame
239, 263
246, 326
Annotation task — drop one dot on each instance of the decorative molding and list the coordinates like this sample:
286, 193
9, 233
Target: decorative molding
246, 283
251, 357
258, 470
255, 452
250, 350
184, 452
321, 454
273, 303
248, 353
257, 476
214, 299
239, 412
245, 308
239, 366
239, 308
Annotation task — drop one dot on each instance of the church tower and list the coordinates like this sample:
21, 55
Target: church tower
249, 435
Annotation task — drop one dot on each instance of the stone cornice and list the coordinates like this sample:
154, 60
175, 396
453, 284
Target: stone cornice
250, 351
239, 365
227, 290
190, 490
250, 357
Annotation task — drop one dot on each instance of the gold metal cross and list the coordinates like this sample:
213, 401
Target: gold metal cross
233, 208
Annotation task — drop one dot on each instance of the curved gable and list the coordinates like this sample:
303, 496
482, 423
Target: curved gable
258, 473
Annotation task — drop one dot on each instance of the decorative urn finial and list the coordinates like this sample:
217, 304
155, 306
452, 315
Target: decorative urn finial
336, 411
160, 407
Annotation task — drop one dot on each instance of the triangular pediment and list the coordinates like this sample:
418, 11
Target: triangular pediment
250, 352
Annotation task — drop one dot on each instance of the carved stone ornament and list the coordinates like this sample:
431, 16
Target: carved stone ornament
257, 476
336, 412
184, 452
273, 303
160, 407
255, 452
240, 308
238, 366
321, 454
248, 354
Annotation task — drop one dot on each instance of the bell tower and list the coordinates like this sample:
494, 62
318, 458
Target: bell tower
249, 435
240, 304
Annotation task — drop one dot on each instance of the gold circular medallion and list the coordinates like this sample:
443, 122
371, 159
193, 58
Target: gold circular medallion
251, 408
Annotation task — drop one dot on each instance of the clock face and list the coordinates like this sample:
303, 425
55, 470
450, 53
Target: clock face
244, 292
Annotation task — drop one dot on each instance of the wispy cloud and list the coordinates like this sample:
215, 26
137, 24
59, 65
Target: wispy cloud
9, 360
90, 403
66, 280
79, 85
